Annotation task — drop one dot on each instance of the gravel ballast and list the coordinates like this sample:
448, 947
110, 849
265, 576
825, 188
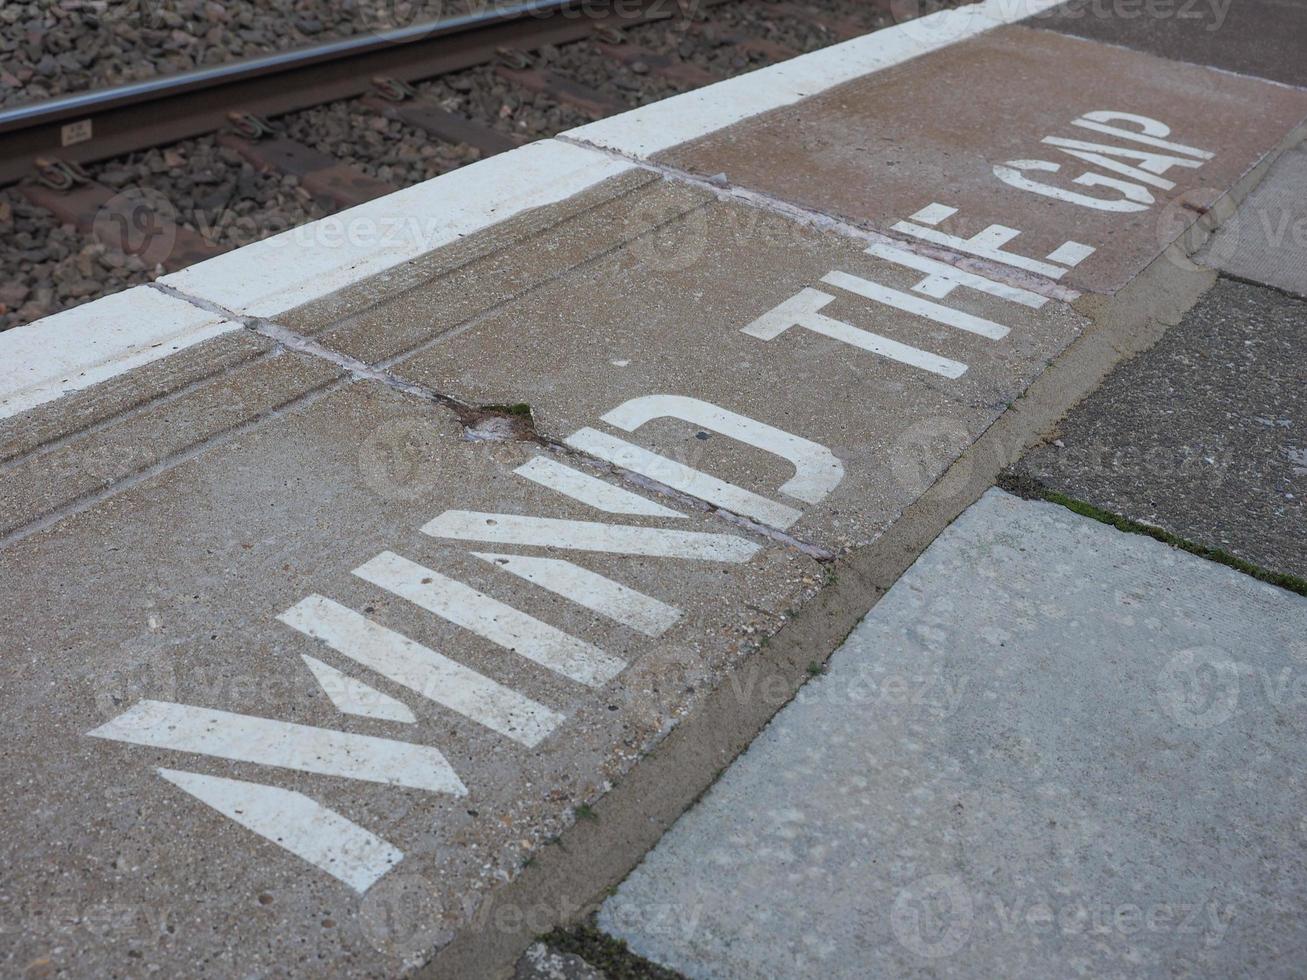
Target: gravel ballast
45, 268
53, 47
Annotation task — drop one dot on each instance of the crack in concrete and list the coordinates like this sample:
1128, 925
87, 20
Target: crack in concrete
482, 423
823, 221
289, 340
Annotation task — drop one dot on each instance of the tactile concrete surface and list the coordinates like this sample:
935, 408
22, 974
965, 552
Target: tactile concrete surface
967, 794
1056, 136
1204, 435
1266, 238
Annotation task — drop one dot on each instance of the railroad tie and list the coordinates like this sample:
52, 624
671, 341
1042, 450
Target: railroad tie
451, 127
663, 65
544, 81
325, 177
772, 50
839, 28
131, 221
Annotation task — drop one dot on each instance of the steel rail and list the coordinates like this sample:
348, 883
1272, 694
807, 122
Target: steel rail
157, 111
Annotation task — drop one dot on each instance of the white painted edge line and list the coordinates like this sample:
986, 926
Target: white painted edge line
84, 346
92, 343
323, 256
296, 822
78, 348
659, 126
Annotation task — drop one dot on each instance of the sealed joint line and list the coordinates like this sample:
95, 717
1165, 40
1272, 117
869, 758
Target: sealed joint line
288, 339
821, 221
473, 417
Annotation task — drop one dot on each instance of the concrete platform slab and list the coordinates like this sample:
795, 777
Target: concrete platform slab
698, 342
342, 650
69, 471
1060, 138
1262, 38
1052, 749
1205, 435
1266, 238
82, 347
313, 260
331, 664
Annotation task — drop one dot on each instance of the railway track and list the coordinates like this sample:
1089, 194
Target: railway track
107, 188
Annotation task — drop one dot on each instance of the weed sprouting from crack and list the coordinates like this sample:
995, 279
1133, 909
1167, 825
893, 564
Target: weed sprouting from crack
498, 423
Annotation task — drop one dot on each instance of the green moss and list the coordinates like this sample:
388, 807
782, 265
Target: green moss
1031, 489
521, 408
609, 956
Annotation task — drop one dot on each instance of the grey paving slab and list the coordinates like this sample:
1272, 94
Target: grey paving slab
1265, 240
1053, 749
682, 307
1263, 38
1052, 136
260, 722
1205, 435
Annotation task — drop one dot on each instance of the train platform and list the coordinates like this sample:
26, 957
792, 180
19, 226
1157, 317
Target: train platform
378, 594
